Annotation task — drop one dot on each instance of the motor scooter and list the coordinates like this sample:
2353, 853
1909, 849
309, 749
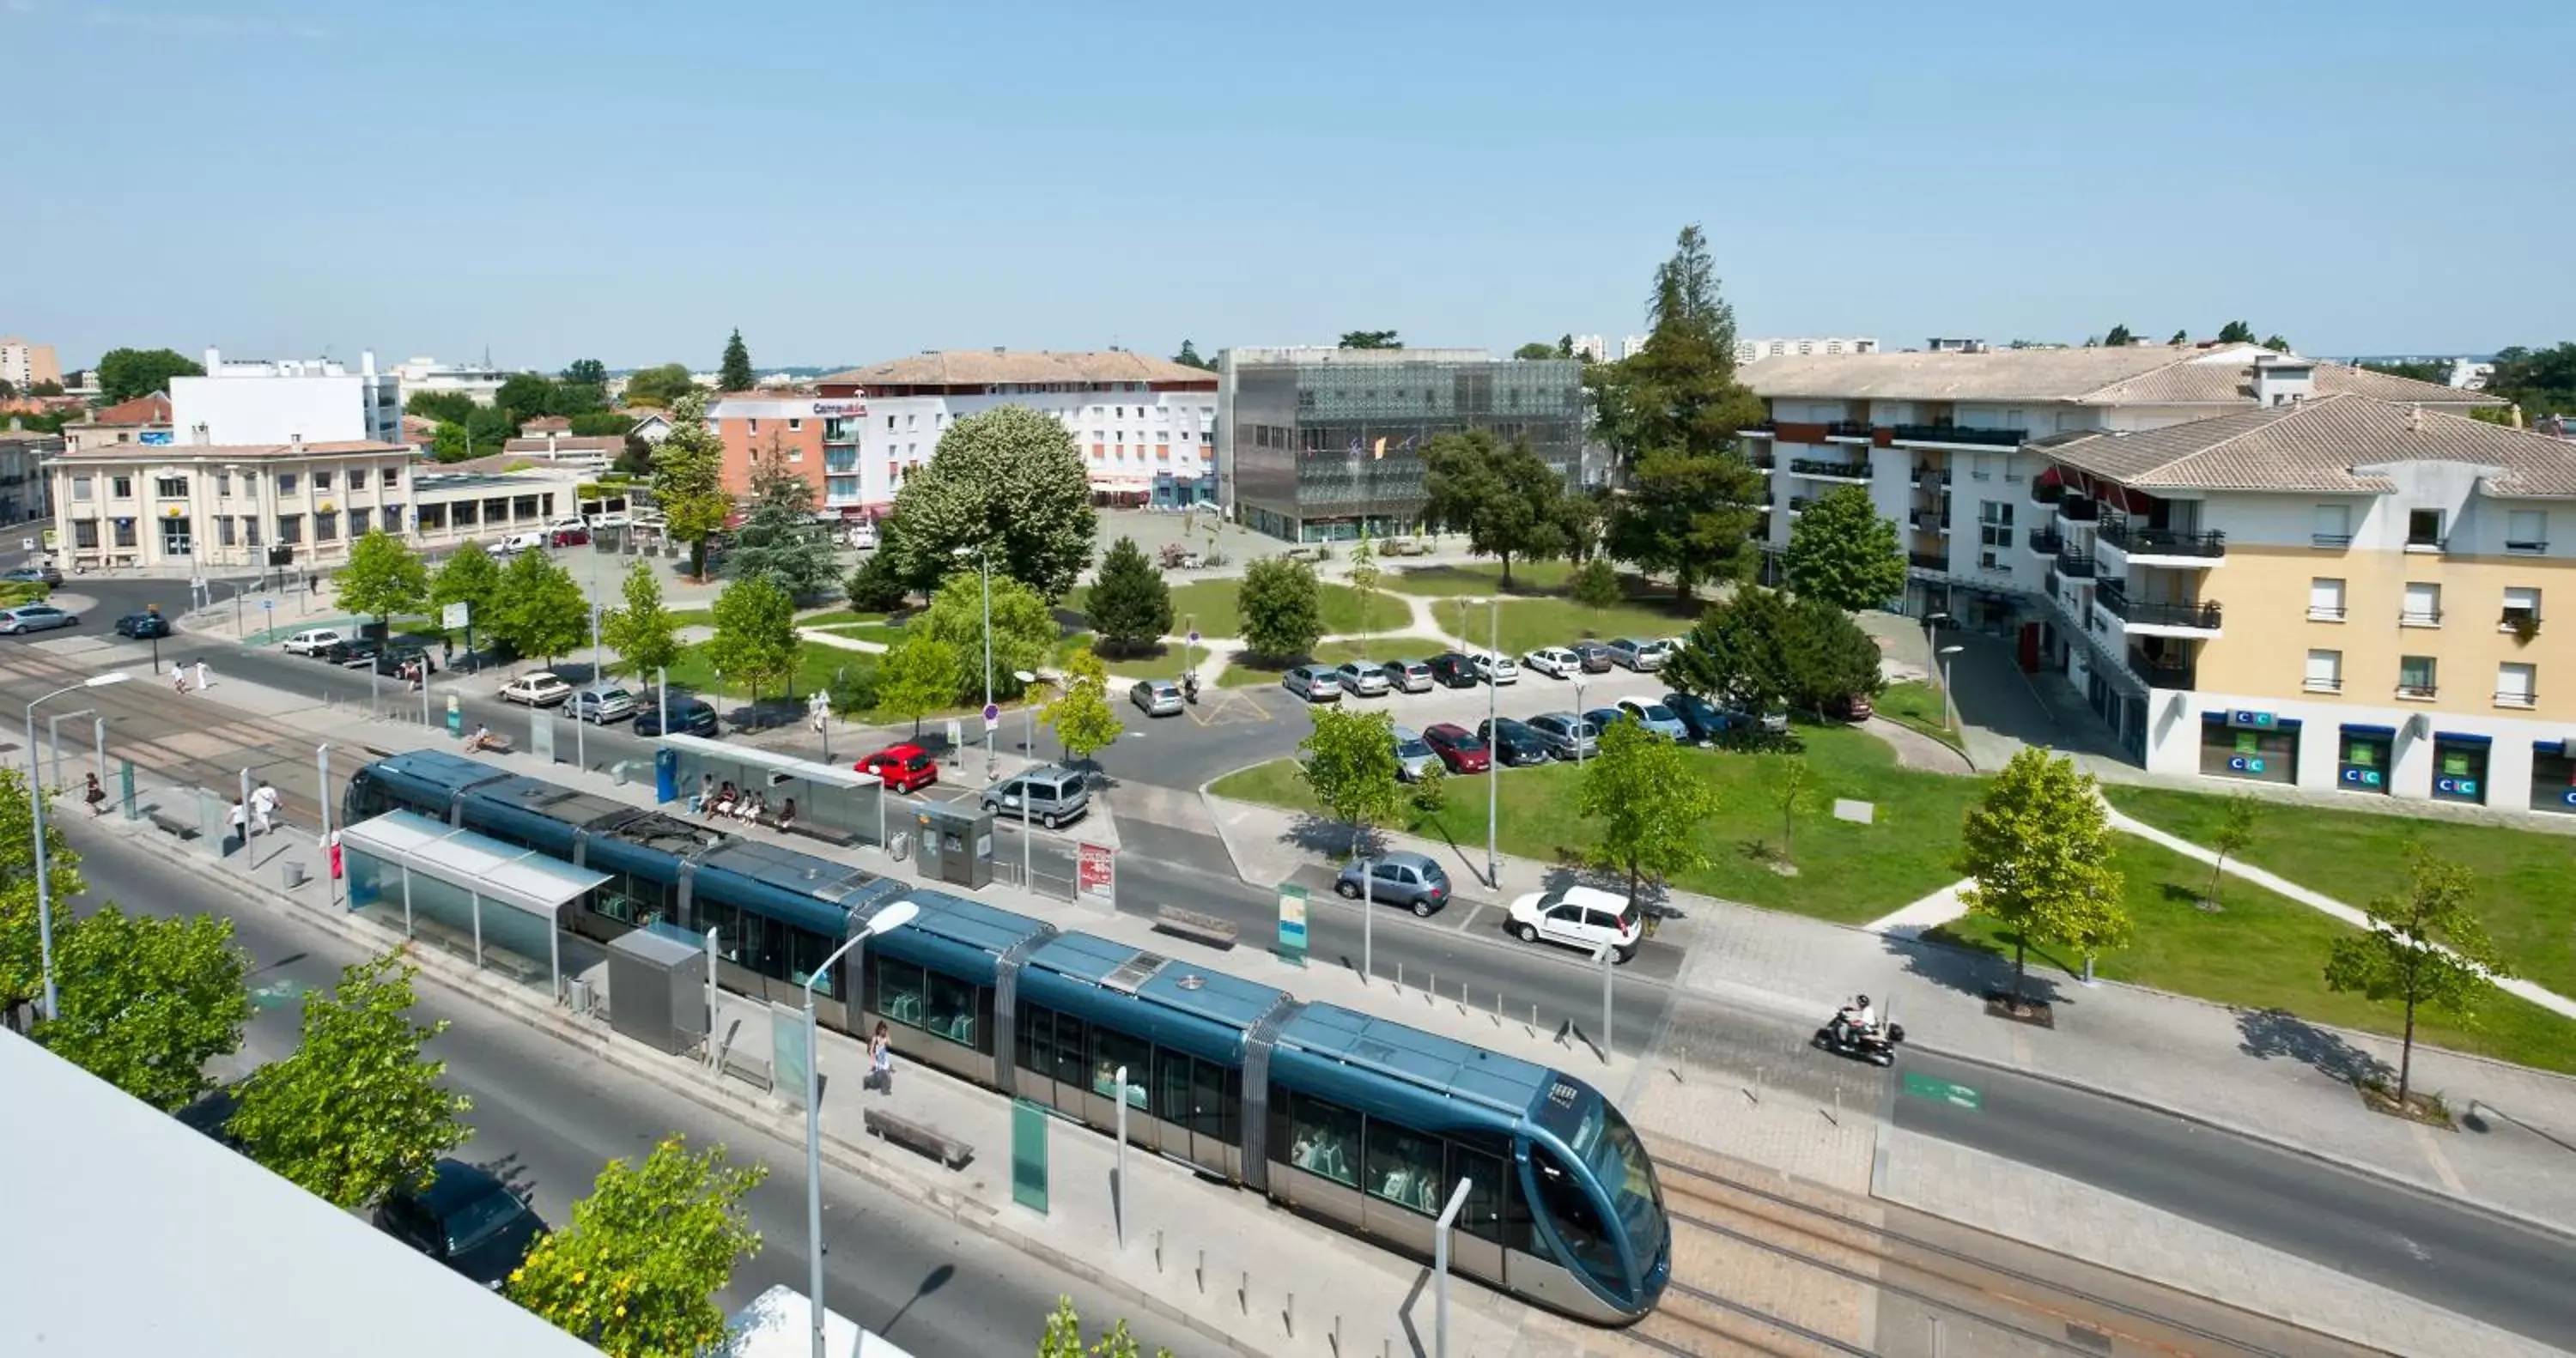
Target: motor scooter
1877, 1044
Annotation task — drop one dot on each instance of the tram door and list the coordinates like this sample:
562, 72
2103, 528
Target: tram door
1477, 1244
1190, 1112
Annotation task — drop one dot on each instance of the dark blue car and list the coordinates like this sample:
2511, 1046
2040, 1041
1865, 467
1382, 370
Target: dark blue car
689, 716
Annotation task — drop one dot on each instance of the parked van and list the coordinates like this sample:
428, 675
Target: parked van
1050, 796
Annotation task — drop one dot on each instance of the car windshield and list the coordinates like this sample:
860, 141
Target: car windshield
481, 1219
610, 695
1412, 749
1658, 712
1466, 740
1608, 1146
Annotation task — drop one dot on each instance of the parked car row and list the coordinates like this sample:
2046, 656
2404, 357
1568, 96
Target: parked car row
1580, 917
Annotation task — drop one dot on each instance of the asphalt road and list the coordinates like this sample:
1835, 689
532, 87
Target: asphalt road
547, 1119
2413, 1243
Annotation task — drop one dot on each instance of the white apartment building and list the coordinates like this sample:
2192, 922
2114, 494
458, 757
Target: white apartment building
480, 381
1753, 350
1592, 348
1631, 346
1145, 428
248, 403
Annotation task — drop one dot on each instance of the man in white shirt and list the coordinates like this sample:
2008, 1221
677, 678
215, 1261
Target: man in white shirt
263, 808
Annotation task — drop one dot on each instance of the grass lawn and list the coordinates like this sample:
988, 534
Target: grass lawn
693, 617
2264, 951
1476, 578
1209, 605
838, 617
1847, 872
815, 666
1918, 705
1531, 623
2526, 879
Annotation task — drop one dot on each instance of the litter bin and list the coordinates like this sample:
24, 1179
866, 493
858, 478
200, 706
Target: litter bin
295, 875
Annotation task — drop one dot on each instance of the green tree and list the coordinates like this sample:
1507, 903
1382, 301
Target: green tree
384, 577
1365, 576
1370, 339
526, 396
589, 372
1822, 655
2541, 381
1081, 716
1596, 586
917, 677
1282, 611
660, 387
2038, 848
2423, 948
734, 373
1695, 517
21, 942
688, 480
779, 538
637, 1272
642, 632
2180, 337
1844, 552
480, 432
1507, 500
1735, 657
124, 374
1063, 1337
1007, 479
1650, 802
1348, 761
2431, 370
1565, 345
1535, 349
1794, 792
601, 424
2276, 343
1024, 632
1130, 604
2235, 835
1188, 357
446, 407
470, 577
147, 1002
1680, 394
357, 1112
875, 586
755, 638
540, 611
2118, 338
2236, 332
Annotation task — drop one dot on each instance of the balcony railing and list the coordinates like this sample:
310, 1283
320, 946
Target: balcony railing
2422, 693
2130, 537
2330, 541
2161, 672
2077, 509
2046, 492
2419, 617
1949, 433
1929, 561
1848, 429
2324, 683
1931, 478
2504, 698
2114, 598
2074, 565
1808, 466
2522, 547
2325, 612
1930, 521
2047, 541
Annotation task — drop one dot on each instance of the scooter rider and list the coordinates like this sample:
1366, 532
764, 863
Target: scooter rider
1190, 685
1858, 1018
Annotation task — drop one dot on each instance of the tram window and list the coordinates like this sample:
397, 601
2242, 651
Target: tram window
952, 1010
1214, 1092
1069, 1047
1037, 1039
1569, 1210
763, 944
630, 899
806, 951
899, 991
720, 917
1482, 1216
1172, 1087
1404, 1167
1111, 1049
1324, 1139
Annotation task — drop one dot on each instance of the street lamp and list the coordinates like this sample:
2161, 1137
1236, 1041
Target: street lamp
1493, 752
36, 803
984, 554
894, 916
1949, 704
1579, 719
1029, 710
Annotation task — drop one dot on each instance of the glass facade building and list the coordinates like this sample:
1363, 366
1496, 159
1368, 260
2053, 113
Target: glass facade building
1317, 444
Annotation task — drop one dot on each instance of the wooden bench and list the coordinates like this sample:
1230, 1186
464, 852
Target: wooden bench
837, 838
1190, 924
496, 744
929, 1141
178, 825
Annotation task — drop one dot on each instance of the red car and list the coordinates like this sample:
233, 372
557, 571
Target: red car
568, 537
1458, 748
903, 767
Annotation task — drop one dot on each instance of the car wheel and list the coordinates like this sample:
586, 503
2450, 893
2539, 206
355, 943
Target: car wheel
1528, 932
1048, 820
1620, 956
1348, 891
1422, 909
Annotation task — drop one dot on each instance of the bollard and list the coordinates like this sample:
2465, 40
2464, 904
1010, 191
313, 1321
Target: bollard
1158, 1249
1243, 1294
1288, 1317
1399, 976
1533, 1018
1431, 992
1202, 1272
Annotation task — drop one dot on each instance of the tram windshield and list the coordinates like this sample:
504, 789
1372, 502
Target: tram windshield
1609, 1147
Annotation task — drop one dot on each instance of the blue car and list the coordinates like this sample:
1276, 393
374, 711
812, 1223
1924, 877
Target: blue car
1655, 717
1706, 720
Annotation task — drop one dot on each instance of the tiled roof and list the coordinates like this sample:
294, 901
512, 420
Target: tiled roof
167, 452
979, 367
2153, 374
2330, 444
152, 409
542, 423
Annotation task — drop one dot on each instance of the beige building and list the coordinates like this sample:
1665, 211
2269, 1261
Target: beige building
24, 364
145, 419
210, 507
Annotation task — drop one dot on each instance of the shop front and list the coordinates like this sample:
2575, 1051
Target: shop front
2553, 777
2460, 767
2362, 758
2259, 747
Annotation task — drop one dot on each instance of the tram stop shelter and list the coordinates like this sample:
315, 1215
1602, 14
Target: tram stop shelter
492, 903
832, 802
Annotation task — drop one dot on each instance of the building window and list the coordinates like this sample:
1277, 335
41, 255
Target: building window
795, 425
358, 523
125, 532
326, 526
170, 487
2365, 758
393, 518
2517, 684
2325, 672
290, 529
286, 483
392, 476
889, 422
223, 530
2423, 606
2325, 600
120, 487
2424, 529
80, 487
2526, 532
2521, 611
321, 481
464, 512
250, 530
223, 484
85, 533
2415, 678
2331, 526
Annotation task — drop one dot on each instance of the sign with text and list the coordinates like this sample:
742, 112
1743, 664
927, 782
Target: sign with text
455, 615
2247, 719
1096, 873
1292, 924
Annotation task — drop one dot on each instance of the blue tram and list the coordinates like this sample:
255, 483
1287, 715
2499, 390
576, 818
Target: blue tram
1354, 1120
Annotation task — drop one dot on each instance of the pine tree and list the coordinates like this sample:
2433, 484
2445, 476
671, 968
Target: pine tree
735, 374
688, 480
779, 537
1130, 604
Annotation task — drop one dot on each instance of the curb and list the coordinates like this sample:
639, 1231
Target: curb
2348, 1165
757, 1114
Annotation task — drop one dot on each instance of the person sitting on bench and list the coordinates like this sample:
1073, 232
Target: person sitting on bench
724, 799
787, 814
751, 806
480, 740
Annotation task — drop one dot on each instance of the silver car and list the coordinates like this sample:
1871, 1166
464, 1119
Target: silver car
1566, 735
34, 618
1635, 654
600, 704
1362, 678
1314, 683
1413, 755
1409, 676
1156, 697
1051, 796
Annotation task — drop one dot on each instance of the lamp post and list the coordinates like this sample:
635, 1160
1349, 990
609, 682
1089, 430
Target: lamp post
1029, 710
1493, 752
894, 916
983, 553
36, 804
1949, 704
1579, 720
1440, 1249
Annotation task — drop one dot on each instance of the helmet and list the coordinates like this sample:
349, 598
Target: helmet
1864, 1001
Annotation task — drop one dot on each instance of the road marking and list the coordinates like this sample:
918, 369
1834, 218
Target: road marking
1468, 924
1942, 1091
277, 994
2441, 1164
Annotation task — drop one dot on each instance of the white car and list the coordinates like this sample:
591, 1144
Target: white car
1555, 662
520, 542
1497, 669
314, 640
1580, 917
537, 688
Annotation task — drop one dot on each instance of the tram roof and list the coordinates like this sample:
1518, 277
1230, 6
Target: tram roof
1179, 985
826, 881
968, 923
1428, 1059
439, 767
560, 803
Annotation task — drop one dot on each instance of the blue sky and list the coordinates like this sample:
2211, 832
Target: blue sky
850, 181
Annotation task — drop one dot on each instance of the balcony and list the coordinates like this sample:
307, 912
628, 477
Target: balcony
1955, 434
2114, 599
2418, 693
2523, 699
2046, 541
2074, 565
1857, 472
1764, 430
1798, 504
1763, 461
2139, 541
2323, 683
1928, 561
1930, 478
2419, 617
2525, 547
1929, 521
2046, 492
2077, 509
2332, 542
1849, 429
2161, 672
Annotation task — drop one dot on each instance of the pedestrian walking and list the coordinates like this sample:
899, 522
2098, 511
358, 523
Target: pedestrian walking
238, 825
263, 808
332, 845
178, 677
203, 682
96, 797
881, 1062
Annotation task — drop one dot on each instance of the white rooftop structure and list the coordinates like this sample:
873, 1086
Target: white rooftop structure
132, 1234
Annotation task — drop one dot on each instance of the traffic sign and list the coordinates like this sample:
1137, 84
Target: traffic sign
1942, 1091
992, 713
1194, 636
